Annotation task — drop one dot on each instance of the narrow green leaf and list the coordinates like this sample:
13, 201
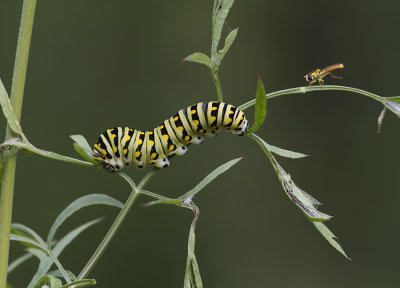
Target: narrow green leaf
284, 152
87, 200
45, 263
221, 11
30, 231
83, 148
261, 108
328, 235
8, 111
83, 153
228, 43
81, 283
13, 265
210, 177
39, 254
200, 58
67, 239
82, 142
26, 240
49, 282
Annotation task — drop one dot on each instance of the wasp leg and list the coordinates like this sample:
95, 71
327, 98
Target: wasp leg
321, 81
312, 82
334, 76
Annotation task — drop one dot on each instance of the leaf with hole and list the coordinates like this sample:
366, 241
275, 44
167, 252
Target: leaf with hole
221, 10
228, 43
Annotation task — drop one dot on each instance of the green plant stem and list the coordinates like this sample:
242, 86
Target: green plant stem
16, 99
217, 84
315, 88
115, 226
15, 142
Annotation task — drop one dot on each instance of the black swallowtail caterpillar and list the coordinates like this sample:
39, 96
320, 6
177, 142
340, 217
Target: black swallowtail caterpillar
123, 146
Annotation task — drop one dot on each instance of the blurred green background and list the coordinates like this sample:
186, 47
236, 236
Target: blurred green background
99, 64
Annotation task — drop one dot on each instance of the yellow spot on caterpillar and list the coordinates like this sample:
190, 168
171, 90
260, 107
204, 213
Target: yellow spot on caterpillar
194, 111
231, 112
196, 122
176, 118
201, 131
151, 132
125, 151
104, 152
229, 120
141, 133
241, 118
137, 154
162, 127
213, 118
140, 142
112, 130
187, 138
171, 147
130, 129
180, 128
115, 149
128, 138
153, 155
166, 137
214, 108
151, 143
99, 158
114, 135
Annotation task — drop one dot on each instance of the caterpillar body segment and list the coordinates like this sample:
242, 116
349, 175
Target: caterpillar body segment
122, 146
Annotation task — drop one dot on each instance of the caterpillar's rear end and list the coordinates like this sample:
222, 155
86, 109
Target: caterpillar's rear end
123, 146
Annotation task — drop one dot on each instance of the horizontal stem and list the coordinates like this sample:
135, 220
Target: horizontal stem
312, 89
27, 146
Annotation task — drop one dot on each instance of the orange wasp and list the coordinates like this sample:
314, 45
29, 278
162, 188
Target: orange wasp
318, 74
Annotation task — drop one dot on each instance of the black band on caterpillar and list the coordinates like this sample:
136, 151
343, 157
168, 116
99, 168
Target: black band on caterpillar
121, 146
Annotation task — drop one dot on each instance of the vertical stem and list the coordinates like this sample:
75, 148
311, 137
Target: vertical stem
16, 98
217, 83
115, 226
214, 49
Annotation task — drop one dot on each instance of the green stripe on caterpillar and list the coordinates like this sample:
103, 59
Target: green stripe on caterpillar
122, 146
